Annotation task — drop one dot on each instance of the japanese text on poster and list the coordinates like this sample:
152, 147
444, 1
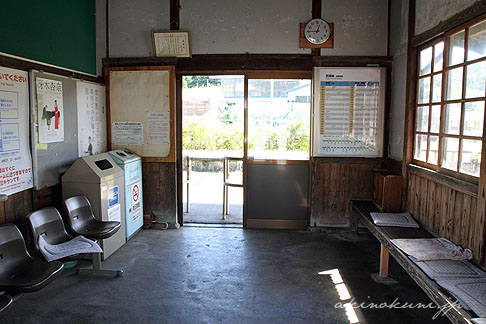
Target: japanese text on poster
127, 133
15, 159
158, 127
91, 118
349, 112
50, 113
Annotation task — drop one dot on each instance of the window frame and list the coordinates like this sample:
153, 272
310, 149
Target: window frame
445, 38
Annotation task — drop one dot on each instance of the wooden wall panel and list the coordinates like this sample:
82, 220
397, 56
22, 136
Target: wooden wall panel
15, 209
47, 197
446, 212
159, 188
334, 183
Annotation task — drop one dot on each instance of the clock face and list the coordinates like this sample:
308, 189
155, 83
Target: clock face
317, 31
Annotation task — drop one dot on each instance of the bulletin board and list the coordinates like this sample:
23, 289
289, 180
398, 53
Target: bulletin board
141, 111
51, 160
15, 159
349, 111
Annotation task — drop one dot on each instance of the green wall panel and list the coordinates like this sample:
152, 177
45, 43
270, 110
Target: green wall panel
59, 32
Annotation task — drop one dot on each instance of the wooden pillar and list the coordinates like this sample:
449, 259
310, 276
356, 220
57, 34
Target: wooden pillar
410, 101
316, 13
174, 14
479, 226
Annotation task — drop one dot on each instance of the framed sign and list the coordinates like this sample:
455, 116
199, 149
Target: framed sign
172, 43
349, 111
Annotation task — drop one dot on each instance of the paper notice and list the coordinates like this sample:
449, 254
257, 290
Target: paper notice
158, 128
114, 213
127, 133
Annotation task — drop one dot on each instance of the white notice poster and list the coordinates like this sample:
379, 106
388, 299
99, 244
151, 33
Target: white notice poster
15, 159
91, 118
50, 112
349, 111
127, 133
114, 213
158, 127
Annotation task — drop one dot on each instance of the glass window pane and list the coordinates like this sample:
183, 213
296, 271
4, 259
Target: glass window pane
454, 84
438, 56
420, 147
437, 88
435, 119
475, 80
424, 90
476, 47
213, 115
470, 157
422, 119
433, 149
260, 88
456, 51
279, 125
452, 119
449, 156
473, 118
425, 61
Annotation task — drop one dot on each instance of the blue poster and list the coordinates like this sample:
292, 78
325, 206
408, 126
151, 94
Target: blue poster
113, 196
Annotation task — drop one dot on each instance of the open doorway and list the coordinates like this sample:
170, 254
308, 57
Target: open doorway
212, 148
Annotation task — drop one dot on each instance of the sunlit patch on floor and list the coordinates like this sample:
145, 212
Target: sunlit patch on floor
343, 293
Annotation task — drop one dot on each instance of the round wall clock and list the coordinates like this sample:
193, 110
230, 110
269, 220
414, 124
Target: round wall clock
317, 31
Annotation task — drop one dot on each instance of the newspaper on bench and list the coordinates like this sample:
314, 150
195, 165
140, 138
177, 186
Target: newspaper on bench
77, 245
432, 249
394, 219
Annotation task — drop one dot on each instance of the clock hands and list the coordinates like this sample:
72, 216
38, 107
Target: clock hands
315, 31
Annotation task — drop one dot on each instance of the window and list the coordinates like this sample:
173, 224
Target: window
279, 126
450, 99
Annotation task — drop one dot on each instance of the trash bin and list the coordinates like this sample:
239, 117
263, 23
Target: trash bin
132, 166
101, 180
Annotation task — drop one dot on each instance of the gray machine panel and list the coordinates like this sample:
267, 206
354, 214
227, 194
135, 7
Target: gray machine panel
277, 191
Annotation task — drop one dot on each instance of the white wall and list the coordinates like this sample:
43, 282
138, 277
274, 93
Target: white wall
360, 26
100, 34
429, 13
253, 26
131, 24
248, 26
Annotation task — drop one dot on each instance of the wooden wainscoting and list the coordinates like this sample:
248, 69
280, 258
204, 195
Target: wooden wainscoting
446, 211
335, 181
14, 211
16, 208
159, 187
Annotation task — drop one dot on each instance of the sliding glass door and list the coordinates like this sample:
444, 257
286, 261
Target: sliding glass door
278, 119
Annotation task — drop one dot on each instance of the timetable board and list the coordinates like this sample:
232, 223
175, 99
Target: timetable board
348, 112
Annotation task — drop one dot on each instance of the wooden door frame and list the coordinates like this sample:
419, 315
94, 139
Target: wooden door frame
254, 74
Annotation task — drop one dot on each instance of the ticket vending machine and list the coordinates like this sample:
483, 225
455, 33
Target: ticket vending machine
132, 166
101, 180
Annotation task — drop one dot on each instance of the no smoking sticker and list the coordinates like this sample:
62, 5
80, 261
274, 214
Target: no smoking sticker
135, 193
136, 205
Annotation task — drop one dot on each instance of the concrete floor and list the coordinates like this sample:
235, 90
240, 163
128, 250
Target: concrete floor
228, 275
213, 214
206, 199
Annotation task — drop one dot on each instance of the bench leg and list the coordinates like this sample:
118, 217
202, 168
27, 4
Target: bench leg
384, 258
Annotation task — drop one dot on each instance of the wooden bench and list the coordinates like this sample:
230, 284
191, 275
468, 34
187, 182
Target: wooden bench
439, 296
